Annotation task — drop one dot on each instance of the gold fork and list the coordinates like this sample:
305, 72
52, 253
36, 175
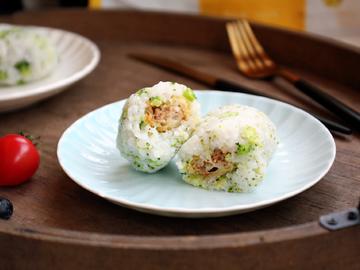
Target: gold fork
253, 62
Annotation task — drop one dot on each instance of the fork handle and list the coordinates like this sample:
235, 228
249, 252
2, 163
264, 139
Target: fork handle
334, 105
225, 85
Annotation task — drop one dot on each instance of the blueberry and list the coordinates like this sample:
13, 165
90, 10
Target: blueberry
6, 208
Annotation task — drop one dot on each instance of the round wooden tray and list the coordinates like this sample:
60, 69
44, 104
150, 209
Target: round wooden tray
57, 224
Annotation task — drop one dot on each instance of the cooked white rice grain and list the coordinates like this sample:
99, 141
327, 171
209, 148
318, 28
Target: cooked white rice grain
229, 150
25, 55
155, 122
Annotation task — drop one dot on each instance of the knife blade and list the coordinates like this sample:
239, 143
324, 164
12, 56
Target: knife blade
220, 84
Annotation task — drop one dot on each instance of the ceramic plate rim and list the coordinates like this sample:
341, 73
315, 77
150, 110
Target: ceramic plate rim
63, 82
178, 211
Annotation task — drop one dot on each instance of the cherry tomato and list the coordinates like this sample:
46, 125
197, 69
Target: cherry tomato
19, 159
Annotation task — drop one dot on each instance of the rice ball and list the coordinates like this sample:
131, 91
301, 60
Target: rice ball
229, 150
155, 122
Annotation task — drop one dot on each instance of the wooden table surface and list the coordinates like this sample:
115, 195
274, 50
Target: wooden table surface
51, 192
51, 199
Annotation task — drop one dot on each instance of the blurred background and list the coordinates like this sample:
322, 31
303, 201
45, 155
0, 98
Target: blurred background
339, 19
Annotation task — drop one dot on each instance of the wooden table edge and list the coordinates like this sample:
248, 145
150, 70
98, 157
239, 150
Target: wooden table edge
238, 240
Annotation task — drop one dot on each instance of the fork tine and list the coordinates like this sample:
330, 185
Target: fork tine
232, 38
256, 44
248, 44
244, 51
235, 46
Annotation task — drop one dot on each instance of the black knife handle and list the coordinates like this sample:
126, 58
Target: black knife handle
229, 86
331, 103
233, 87
332, 125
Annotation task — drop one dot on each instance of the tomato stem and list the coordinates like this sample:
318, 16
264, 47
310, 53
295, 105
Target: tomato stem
34, 140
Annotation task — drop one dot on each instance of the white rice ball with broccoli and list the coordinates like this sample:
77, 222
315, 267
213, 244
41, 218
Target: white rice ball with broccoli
229, 150
25, 55
155, 122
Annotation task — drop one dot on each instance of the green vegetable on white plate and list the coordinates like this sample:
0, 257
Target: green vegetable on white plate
26, 55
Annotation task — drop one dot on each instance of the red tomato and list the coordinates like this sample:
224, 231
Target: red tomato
19, 159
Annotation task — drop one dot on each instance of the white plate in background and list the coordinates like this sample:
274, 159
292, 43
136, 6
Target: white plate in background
78, 56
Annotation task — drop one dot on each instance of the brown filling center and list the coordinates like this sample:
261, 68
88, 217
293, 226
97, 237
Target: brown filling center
217, 166
168, 115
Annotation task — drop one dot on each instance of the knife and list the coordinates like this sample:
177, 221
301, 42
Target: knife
221, 84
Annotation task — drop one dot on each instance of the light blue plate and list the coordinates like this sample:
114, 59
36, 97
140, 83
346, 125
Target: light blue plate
87, 153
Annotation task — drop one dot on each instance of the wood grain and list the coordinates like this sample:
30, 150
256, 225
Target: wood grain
301, 247
51, 201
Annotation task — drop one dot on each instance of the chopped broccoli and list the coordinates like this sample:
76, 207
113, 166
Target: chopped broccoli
220, 182
189, 94
23, 67
141, 91
142, 124
251, 135
3, 75
234, 188
243, 149
253, 140
155, 101
124, 113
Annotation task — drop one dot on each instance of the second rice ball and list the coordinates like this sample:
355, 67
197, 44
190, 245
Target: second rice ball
229, 150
